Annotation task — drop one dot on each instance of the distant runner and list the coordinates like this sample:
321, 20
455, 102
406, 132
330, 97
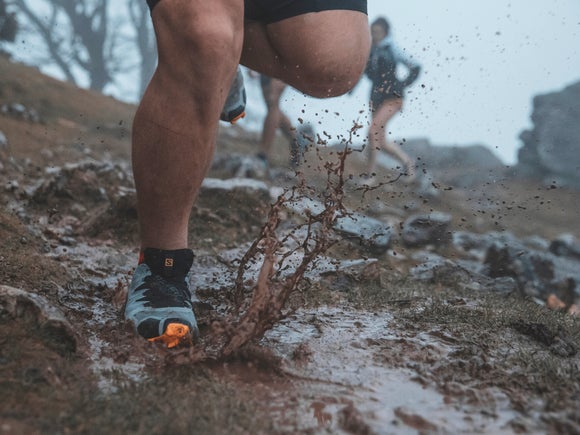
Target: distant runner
272, 90
387, 94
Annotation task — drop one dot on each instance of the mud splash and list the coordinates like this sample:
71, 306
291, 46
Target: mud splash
255, 313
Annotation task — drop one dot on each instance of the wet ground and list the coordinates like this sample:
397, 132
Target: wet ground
360, 347
414, 358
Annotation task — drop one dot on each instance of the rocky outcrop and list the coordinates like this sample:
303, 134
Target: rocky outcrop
368, 233
20, 111
30, 311
537, 272
427, 229
550, 149
458, 166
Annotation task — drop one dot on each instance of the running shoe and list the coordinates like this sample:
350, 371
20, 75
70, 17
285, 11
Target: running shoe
159, 301
235, 105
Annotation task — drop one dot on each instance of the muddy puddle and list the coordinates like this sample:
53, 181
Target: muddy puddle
338, 381
334, 375
328, 367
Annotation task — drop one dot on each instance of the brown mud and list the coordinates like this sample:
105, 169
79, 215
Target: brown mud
360, 348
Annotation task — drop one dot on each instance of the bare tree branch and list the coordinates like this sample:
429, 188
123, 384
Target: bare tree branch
52, 42
8, 23
86, 42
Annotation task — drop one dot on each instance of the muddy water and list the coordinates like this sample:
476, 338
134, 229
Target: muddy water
104, 367
337, 378
341, 381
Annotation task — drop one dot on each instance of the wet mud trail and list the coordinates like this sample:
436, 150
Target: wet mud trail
329, 368
384, 308
345, 384
399, 342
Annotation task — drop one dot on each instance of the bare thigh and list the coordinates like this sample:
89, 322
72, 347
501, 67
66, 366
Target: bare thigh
322, 54
385, 113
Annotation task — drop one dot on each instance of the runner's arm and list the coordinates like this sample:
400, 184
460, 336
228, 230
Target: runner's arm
411, 64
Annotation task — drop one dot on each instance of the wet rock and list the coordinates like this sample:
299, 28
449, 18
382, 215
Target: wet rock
37, 313
427, 229
565, 246
379, 208
78, 187
550, 149
439, 270
234, 192
244, 199
536, 242
369, 233
305, 206
3, 141
458, 166
249, 186
240, 166
478, 244
537, 273
211, 273
442, 271
20, 111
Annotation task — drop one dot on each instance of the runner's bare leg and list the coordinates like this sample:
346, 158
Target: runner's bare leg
378, 139
274, 117
175, 126
199, 45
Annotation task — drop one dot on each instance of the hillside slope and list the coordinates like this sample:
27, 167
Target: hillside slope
460, 318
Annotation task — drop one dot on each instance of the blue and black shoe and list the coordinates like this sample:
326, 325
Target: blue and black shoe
159, 301
235, 105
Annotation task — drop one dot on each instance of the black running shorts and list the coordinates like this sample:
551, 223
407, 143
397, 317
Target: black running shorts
270, 11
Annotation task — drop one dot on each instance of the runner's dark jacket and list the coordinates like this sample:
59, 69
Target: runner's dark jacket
381, 69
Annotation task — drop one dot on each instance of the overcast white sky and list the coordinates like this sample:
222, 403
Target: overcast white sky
482, 64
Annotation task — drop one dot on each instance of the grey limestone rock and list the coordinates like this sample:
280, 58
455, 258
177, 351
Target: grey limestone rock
53, 328
550, 148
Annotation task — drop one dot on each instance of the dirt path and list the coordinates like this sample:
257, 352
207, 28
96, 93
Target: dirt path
331, 367
366, 347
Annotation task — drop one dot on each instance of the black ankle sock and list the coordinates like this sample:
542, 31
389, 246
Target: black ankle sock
168, 263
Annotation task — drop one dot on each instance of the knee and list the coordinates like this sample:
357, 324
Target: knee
338, 68
333, 78
188, 36
210, 40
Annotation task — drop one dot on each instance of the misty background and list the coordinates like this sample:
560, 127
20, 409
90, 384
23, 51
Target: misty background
482, 63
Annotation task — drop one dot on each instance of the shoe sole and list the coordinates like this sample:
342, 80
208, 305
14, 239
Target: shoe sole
237, 118
175, 334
